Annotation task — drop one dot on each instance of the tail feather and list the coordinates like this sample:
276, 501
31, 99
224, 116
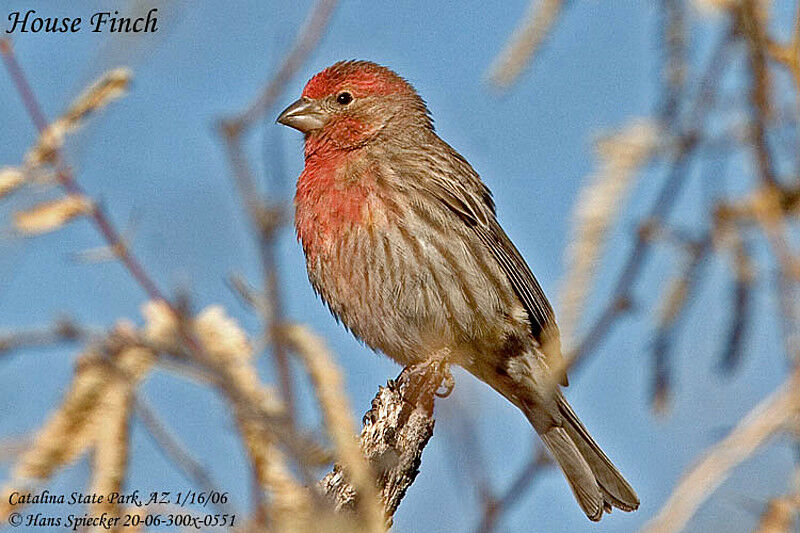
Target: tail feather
578, 472
616, 489
595, 481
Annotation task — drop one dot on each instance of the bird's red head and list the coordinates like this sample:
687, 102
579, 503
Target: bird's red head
353, 103
359, 78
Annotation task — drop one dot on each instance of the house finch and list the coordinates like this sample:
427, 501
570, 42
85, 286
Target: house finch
403, 245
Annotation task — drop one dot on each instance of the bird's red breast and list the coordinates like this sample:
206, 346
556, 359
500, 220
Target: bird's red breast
334, 193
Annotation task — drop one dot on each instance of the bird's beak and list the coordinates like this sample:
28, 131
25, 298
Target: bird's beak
305, 115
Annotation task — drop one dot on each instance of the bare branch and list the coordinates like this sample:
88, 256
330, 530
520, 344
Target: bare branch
63, 330
67, 180
265, 219
742, 304
665, 201
396, 430
307, 39
174, 449
524, 479
675, 301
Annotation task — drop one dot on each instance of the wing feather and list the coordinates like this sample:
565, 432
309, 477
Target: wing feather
459, 187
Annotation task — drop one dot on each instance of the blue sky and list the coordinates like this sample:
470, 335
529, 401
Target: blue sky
154, 157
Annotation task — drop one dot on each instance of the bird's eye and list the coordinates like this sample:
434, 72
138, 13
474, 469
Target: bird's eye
344, 98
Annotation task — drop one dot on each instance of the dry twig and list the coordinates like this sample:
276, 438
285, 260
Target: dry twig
266, 219
327, 381
525, 41
765, 420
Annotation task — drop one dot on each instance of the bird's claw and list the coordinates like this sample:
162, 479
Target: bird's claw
436, 370
448, 382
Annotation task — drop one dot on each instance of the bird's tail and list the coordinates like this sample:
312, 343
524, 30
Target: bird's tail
597, 484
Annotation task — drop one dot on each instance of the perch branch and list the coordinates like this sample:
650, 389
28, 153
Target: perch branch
396, 429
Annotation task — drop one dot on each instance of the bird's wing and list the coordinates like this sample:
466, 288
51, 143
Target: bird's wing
465, 194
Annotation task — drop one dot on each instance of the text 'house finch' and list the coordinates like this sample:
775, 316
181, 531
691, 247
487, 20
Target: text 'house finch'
402, 243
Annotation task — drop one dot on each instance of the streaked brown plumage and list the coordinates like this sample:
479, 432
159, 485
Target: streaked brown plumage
402, 244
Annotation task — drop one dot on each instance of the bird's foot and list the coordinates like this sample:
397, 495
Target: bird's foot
436, 371
448, 381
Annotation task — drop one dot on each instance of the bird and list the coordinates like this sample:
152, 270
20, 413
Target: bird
402, 243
